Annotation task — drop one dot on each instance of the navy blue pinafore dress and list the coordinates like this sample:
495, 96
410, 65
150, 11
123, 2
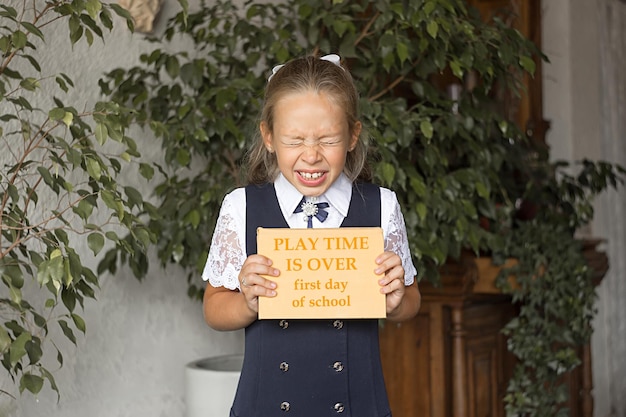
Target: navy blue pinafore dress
310, 368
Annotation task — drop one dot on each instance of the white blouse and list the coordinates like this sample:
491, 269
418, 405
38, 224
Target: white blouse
228, 246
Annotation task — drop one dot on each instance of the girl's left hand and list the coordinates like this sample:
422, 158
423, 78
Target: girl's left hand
392, 282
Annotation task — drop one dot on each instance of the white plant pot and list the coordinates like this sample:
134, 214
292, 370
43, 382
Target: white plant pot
210, 385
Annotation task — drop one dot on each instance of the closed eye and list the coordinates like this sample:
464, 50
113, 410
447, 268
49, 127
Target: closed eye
324, 142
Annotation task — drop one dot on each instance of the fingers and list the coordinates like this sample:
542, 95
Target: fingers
390, 265
392, 280
252, 282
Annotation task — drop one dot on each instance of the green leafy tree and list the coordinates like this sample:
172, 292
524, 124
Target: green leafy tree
203, 103
59, 194
463, 171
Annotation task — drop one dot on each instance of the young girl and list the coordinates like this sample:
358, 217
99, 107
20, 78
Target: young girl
309, 152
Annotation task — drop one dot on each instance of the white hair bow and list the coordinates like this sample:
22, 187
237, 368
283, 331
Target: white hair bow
334, 58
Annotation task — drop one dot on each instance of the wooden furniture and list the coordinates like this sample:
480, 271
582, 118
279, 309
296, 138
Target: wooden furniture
452, 361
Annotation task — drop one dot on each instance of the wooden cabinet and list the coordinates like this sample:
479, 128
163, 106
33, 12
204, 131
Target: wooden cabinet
452, 360
449, 361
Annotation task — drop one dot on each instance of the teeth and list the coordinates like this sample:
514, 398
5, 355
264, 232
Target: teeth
311, 175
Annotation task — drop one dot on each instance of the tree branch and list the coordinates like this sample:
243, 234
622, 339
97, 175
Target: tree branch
366, 29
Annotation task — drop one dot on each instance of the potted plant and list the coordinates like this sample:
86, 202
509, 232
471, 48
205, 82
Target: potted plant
464, 172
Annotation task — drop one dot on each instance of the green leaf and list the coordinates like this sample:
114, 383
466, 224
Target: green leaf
143, 236
67, 331
30, 84
101, 132
193, 218
5, 340
14, 275
421, 210
18, 348
146, 170
55, 269
528, 64
455, 66
504, 127
340, 27
388, 172
403, 51
109, 199
191, 75
79, 322
56, 114
482, 190
112, 236
172, 66
47, 375
432, 28
19, 39
134, 197
32, 29
5, 44
68, 118
32, 383
93, 8
16, 294
93, 168
84, 208
69, 299
33, 349
8, 12
429, 7
47, 177
427, 129
418, 186
183, 157
76, 30
95, 241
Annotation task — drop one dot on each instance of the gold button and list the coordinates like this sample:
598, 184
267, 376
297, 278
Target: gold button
338, 366
283, 324
339, 407
285, 406
337, 324
284, 366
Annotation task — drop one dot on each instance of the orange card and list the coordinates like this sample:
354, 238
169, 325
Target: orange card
324, 273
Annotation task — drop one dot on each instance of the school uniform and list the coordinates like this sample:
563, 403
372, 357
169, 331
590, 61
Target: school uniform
309, 368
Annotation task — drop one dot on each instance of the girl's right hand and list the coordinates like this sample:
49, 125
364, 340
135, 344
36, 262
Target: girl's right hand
251, 282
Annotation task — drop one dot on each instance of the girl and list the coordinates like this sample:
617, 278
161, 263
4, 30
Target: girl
303, 172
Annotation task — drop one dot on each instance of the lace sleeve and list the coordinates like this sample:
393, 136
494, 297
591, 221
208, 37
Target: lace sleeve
227, 254
396, 238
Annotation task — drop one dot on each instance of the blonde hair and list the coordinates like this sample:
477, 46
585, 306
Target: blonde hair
301, 75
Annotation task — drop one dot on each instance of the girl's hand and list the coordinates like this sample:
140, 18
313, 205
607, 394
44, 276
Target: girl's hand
392, 283
252, 285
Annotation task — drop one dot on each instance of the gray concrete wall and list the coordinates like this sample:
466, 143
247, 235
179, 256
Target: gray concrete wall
584, 99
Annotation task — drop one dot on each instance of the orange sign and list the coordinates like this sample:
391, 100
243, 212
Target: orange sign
324, 273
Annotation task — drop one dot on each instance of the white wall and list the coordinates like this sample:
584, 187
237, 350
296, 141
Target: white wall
584, 101
140, 335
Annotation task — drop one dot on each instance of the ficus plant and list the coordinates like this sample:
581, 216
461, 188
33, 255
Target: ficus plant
61, 202
460, 165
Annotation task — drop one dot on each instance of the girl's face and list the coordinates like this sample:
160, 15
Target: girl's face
311, 140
